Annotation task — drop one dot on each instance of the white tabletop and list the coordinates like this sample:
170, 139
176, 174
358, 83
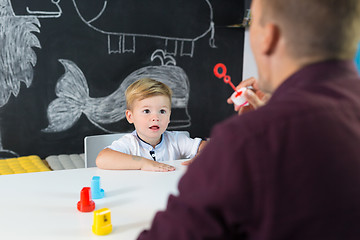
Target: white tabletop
44, 205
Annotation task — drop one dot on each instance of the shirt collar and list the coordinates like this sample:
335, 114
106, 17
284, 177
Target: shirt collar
146, 144
312, 74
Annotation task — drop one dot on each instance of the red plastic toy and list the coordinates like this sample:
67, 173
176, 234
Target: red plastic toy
85, 204
220, 72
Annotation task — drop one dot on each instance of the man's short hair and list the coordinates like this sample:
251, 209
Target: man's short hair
316, 28
145, 88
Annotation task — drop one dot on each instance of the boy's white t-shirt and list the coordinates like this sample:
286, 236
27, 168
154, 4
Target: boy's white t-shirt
173, 146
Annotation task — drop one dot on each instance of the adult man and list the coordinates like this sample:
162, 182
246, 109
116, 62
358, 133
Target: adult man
291, 168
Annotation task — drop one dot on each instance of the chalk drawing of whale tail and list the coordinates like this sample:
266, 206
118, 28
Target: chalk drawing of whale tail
71, 90
73, 100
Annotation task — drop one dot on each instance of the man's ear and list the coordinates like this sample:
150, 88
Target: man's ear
129, 116
271, 38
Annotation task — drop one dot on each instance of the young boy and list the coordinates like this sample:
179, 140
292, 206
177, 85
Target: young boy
148, 104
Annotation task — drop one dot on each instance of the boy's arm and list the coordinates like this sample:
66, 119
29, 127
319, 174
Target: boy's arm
110, 159
201, 146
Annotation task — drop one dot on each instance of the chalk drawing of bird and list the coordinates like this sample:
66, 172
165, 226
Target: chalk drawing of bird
17, 58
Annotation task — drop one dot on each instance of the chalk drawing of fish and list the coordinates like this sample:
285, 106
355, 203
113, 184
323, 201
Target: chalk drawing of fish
73, 98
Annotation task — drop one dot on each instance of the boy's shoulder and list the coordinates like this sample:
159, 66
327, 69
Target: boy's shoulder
176, 133
179, 137
128, 137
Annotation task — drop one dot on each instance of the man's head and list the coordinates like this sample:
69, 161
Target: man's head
304, 31
148, 108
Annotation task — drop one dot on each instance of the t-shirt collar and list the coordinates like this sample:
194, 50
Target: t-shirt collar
312, 73
146, 144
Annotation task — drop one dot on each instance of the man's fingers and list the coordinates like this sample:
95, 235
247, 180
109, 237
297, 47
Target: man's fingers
249, 82
253, 99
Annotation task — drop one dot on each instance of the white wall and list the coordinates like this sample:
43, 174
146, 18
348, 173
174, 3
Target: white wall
249, 65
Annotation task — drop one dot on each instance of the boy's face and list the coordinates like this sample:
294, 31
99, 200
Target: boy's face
150, 117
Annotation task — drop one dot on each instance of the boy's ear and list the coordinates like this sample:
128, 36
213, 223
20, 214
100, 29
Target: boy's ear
129, 116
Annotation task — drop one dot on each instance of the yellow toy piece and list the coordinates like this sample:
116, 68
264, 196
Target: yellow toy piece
102, 222
26, 164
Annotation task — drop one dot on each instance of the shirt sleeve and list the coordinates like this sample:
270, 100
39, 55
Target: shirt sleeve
188, 147
123, 144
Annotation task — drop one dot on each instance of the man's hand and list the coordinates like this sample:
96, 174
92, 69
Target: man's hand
255, 97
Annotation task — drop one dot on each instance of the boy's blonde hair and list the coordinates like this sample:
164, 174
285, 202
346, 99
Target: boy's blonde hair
145, 88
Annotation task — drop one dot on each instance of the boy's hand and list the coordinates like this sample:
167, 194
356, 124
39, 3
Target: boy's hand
150, 165
186, 163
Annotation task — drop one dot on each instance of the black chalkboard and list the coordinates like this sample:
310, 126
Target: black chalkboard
65, 64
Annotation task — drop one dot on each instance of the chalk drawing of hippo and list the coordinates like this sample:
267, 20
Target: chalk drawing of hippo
180, 23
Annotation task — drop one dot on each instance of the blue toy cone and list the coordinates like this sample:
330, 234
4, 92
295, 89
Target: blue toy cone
96, 191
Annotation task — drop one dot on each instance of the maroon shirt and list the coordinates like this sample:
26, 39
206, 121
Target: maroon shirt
289, 170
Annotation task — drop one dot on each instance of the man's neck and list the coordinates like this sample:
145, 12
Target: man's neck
282, 70
288, 66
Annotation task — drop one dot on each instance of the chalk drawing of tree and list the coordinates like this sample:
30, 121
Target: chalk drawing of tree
17, 58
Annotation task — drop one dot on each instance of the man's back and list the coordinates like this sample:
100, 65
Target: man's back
307, 183
290, 170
